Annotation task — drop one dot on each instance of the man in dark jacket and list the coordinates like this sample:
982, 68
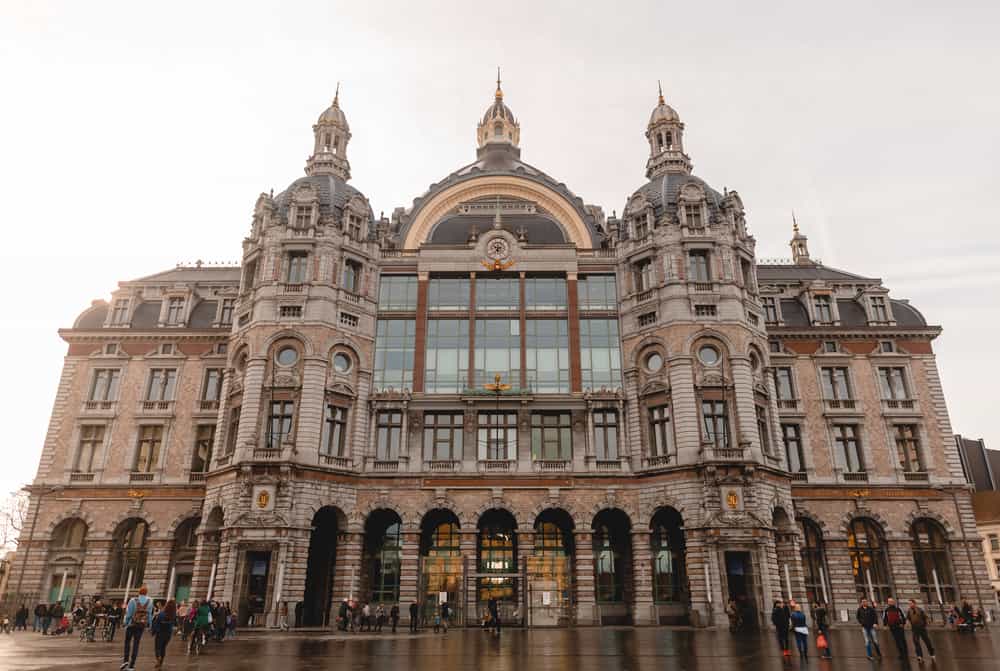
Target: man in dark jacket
342, 615
41, 610
868, 619
394, 616
781, 619
414, 612
895, 619
918, 623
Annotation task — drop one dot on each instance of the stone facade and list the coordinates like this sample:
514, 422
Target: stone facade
500, 391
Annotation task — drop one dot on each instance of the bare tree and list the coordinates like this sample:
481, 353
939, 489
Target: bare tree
13, 512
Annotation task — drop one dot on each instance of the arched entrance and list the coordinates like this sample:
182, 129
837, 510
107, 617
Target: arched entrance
551, 583
612, 547
317, 601
128, 555
496, 562
813, 554
869, 562
932, 558
66, 553
182, 559
441, 570
670, 593
382, 556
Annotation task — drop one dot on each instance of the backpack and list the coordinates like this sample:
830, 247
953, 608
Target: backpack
141, 615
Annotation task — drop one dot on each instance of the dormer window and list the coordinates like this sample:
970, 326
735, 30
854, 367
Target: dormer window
175, 311
822, 309
303, 216
641, 227
226, 313
119, 315
880, 313
693, 214
354, 227
770, 309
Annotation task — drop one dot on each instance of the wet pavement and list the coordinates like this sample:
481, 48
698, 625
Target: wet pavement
581, 649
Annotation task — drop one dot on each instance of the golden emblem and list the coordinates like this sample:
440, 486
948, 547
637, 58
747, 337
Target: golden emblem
263, 498
498, 265
732, 500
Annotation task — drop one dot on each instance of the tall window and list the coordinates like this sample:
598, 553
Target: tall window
822, 308
545, 293
644, 275
770, 309
551, 436
334, 433
498, 351
693, 215
783, 384
667, 542
600, 354
763, 429
298, 267
175, 310
352, 277
394, 339
609, 564
497, 553
933, 561
497, 436
813, 561
212, 389
640, 225
879, 311
91, 439
104, 386
147, 455
792, 436
661, 433
698, 269
836, 385
226, 314
129, 554
303, 216
867, 551
447, 356
279, 425
389, 434
203, 439
443, 436
249, 275
908, 448
892, 382
354, 227
162, 383
119, 315
847, 448
597, 292
397, 293
501, 293
232, 430
386, 558
715, 422
606, 435
547, 355
448, 293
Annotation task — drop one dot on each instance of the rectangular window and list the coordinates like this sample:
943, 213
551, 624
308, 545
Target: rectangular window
119, 316
708, 311
347, 319
354, 228
279, 424
91, 439
448, 293
212, 388
994, 543
836, 386
647, 319
502, 293
715, 421
497, 436
606, 435
545, 293
203, 439
823, 312
693, 215
551, 437
389, 433
334, 434
908, 448
597, 292
892, 381
249, 275
397, 293
774, 346
394, 339
887, 347
547, 355
880, 312
447, 358
443, 436
600, 354
303, 216
763, 429
847, 448
290, 311
770, 309
232, 430
498, 351
298, 267
783, 384
162, 383
830, 347
352, 277
661, 432
698, 268
792, 436
104, 386
147, 455
226, 314
175, 310
641, 226
644, 275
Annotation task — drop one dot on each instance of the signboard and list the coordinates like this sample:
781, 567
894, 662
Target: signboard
546, 598
442, 597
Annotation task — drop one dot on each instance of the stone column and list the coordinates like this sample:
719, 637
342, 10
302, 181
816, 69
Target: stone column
586, 606
643, 611
94, 573
840, 577
746, 415
310, 410
206, 554
467, 542
684, 410
347, 576
248, 437
409, 573
157, 572
362, 418
525, 549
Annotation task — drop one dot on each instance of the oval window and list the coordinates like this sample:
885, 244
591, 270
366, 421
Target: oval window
341, 362
708, 355
654, 362
287, 356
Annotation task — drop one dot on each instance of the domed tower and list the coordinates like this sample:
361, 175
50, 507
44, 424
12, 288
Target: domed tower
331, 133
665, 134
498, 128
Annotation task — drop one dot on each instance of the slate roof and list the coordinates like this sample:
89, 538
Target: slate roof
333, 193
455, 229
190, 274
661, 192
800, 273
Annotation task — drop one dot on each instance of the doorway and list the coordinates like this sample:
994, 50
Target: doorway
741, 586
258, 568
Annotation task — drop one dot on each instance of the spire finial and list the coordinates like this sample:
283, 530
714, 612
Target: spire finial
660, 87
336, 96
499, 93
795, 224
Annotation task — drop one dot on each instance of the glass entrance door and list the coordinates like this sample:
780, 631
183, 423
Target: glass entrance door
258, 567
741, 586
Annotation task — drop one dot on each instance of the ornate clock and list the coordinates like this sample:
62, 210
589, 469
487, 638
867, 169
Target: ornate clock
497, 249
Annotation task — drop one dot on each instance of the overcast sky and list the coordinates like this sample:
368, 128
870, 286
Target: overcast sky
137, 135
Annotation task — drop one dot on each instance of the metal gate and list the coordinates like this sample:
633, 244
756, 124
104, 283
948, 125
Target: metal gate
442, 579
551, 591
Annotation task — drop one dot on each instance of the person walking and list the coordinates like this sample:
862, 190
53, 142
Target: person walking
46, 619
342, 615
781, 619
895, 619
163, 629
801, 629
414, 611
494, 609
968, 621
41, 609
202, 624
867, 617
136, 621
822, 617
918, 626
445, 614
394, 616
21, 618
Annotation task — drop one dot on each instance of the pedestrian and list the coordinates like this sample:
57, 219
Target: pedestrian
867, 617
163, 629
21, 618
822, 617
379, 618
781, 618
56, 614
41, 609
414, 610
494, 609
117, 615
136, 621
283, 616
394, 616
46, 619
918, 625
202, 624
798, 621
895, 619
445, 614
968, 622
342, 614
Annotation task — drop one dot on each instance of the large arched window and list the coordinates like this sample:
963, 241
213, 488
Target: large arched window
440, 561
813, 562
497, 554
551, 562
612, 553
383, 550
933, 561
182, 558
129, 554
866, 547
667, 544
70, 535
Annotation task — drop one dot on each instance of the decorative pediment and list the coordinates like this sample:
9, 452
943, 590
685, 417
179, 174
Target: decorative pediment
654, 387
286, 378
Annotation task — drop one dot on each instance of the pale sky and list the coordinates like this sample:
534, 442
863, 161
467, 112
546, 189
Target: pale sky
137, 135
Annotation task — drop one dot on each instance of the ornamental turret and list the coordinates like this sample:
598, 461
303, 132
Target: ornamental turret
498, 128
330, 137
665, 134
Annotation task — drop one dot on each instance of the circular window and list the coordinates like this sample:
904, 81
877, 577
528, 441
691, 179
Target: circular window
341, 362
654, 362
287, 356
708, 355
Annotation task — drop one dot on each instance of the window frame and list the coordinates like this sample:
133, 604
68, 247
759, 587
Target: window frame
494, 435
605, 424
449, 433
388, 434
149, 448
551, 429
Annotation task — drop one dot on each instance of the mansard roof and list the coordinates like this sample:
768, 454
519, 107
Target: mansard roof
805, 272
334, 194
